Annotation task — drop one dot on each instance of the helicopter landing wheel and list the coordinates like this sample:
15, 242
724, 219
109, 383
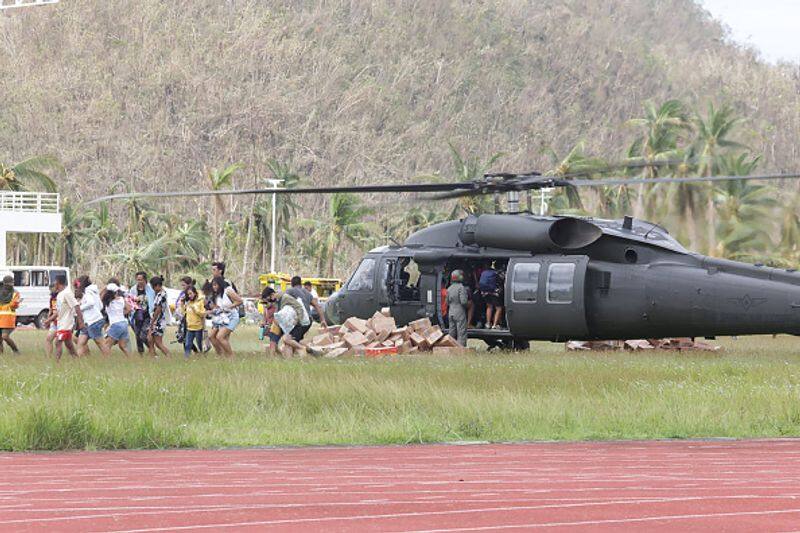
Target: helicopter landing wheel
516, 345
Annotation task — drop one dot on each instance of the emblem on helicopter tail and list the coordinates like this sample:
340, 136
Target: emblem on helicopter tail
746, 302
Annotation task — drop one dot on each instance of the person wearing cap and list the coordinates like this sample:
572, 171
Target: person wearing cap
457, 298
9, 302
117, 308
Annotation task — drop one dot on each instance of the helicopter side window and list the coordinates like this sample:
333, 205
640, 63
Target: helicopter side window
560, 283
525, 282
363, 277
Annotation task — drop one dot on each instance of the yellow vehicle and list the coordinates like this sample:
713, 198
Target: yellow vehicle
324, 287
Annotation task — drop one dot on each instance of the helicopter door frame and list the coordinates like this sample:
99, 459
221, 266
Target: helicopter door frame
541, 303
406, 309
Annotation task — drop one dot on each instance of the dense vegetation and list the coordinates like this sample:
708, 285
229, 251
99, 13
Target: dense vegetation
748, 390
171, 94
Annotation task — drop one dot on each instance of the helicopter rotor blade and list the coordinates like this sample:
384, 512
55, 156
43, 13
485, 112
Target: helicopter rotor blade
489, 184
417, 187
689, 179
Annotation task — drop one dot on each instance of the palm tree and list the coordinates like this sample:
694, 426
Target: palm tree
150, 257
469, 168
220, 179
101, 226
790, 230
142, 218
192, 239
74, 231
345, 223
32, 173
416, 218
745, 208
712, 137
285, 210
662, 128
575, 161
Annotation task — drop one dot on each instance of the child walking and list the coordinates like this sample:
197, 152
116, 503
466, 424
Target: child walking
194, 309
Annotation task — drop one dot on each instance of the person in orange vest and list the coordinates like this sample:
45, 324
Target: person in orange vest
9, 301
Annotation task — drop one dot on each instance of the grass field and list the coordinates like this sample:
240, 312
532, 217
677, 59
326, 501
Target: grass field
750, 389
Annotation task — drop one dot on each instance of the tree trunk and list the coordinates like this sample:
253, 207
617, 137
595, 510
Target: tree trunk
246, 253
331, 252
691, 226
712, 226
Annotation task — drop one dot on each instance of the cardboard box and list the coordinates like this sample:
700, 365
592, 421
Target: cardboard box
354, 339
420, 325
356, 324
333, 354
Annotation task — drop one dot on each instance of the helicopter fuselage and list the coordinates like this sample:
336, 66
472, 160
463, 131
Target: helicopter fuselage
577, 279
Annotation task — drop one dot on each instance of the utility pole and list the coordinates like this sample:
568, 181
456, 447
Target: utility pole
274, 183
11, 4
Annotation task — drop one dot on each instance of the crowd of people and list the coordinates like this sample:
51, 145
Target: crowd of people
83, 314
474, 298
207, 315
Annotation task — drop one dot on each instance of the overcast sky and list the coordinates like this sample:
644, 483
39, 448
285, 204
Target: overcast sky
771, 26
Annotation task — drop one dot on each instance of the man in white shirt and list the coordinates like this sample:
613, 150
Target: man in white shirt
315, 303
69, 311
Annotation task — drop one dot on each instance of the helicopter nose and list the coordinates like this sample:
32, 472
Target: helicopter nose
331, 309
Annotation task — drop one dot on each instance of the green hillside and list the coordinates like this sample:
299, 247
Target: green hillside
153, 94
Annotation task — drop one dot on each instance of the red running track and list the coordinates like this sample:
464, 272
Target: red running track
662, 485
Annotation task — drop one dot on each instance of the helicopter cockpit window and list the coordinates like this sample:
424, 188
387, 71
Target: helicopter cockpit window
363, 277
525, 282
560, 283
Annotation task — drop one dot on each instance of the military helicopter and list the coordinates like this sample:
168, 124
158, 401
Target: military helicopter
564, 277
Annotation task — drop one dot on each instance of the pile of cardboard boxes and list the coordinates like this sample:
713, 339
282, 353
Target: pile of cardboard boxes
379, 336
680, 344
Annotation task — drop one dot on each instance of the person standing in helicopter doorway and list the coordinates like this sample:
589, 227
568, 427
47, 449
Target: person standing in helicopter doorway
457, 298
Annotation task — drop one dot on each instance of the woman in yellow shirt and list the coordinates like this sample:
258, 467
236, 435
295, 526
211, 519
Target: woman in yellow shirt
194, 309
9, 301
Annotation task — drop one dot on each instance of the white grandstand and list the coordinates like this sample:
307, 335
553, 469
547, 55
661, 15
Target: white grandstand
11, 4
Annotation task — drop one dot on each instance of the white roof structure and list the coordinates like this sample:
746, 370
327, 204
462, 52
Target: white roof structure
28, 212
11, 4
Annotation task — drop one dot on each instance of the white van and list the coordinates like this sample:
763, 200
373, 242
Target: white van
33, 285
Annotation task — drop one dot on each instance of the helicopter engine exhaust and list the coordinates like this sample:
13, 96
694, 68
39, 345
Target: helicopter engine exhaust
514, 232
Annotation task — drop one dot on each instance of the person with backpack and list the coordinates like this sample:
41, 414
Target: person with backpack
490, 291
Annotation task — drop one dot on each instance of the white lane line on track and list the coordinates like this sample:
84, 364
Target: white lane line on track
561, 502
350, 504
606, 521
612, 484
438, 493
404, 515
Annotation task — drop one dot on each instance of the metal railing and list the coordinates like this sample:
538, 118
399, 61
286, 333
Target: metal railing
29, 202
11, 4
